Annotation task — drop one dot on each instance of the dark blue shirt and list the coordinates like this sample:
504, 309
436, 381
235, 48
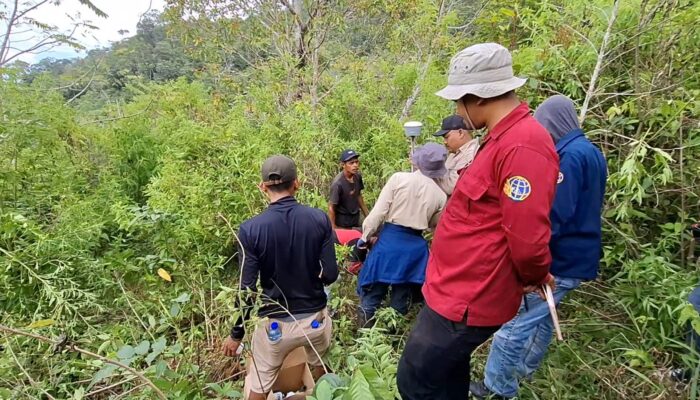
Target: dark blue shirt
694, 299
291, 248
576, 243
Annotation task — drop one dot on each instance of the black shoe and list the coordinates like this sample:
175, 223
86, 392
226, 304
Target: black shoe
480, 391
681, 375
364, 320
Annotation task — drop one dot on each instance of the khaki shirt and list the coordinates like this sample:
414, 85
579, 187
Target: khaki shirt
456, 162
409, 199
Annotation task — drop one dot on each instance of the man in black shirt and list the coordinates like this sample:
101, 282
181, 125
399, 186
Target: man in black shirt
346, 200
290, 247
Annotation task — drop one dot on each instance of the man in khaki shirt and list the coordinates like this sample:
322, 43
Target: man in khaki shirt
462, 147
409, 203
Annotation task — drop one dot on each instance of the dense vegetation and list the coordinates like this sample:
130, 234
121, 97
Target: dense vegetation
123, 174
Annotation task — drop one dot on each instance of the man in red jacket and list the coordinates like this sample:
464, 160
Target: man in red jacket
491, 243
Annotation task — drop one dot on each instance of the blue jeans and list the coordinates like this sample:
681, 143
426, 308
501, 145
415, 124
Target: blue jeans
693, 339
520, 345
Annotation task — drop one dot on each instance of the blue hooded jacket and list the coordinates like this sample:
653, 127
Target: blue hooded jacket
576, 242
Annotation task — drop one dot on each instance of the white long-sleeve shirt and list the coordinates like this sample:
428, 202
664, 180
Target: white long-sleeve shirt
409, 199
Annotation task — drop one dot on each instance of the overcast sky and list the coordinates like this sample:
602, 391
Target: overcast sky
122, 15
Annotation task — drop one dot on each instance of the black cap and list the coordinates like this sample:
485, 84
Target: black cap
348, 155
451, 123
278, 169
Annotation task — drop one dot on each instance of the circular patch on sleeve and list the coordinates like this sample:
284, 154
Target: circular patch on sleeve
517, 188
560, 178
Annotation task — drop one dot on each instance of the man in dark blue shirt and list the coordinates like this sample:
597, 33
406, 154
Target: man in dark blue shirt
290, 248
520, 345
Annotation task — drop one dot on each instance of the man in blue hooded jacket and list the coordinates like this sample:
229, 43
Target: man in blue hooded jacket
520, 345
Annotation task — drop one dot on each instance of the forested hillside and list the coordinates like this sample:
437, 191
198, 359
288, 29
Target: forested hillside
124, 175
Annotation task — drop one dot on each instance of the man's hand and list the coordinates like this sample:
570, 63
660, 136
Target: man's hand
230, 346
550, 281
362, 245
538, 288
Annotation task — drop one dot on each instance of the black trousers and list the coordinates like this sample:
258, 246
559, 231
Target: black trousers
435, 362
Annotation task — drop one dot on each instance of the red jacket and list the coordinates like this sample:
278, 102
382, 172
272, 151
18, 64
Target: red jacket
493, 235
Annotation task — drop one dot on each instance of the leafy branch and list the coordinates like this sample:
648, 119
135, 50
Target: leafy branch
72, 347
49, 36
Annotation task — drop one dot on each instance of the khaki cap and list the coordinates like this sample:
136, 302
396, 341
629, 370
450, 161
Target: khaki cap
484, 70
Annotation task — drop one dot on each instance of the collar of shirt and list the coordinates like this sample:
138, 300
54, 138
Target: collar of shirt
464, 155
418, 172
568, 138
518, 113
284, 201
424, 175
466, 146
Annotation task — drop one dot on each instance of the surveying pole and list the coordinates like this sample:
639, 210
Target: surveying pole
412, 131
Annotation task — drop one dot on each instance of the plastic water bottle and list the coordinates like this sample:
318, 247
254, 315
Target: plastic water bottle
315, 324
275, 333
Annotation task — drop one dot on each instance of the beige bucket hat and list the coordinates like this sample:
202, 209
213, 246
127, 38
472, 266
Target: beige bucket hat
484, 70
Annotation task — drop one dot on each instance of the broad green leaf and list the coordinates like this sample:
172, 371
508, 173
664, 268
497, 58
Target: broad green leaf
690, 315
128, 361
159, 344
507, 12
696, 325
174, 310
323, 391
161, 368
151, 357
103, 346
376, 384
162, 384
127, 351
176, 348
215, 387
359, 388
183, 298
142, 347
79, 393
638, 358
104, 373
333, 380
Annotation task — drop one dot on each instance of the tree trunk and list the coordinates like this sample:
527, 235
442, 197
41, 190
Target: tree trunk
300, 32
602, 52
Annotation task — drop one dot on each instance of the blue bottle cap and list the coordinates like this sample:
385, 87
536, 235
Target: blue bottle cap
315, 324
274, 325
